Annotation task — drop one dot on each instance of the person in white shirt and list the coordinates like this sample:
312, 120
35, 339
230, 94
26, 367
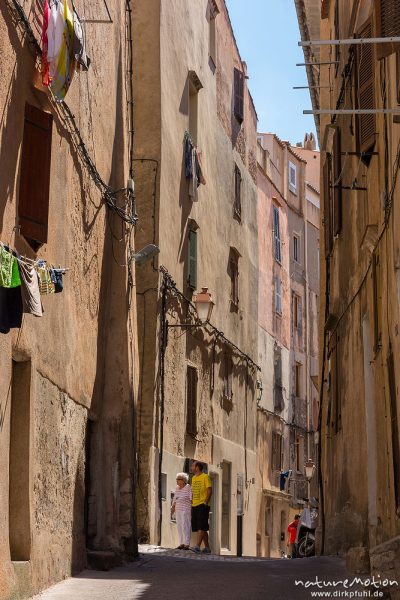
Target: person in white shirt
182, 507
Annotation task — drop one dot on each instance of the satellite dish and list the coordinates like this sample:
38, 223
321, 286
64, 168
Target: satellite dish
146, 254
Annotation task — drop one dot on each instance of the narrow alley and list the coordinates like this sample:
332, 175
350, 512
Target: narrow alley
171, 575
199, 299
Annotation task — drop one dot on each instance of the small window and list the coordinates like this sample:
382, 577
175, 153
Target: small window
212, 15
234, 276
300, 454
296, 248
33, 203
238, 106
194, 86
292, 177
192, 259
277, 235
163, 486
276, 451
228, 376
365, 89
278, 387
237, 207
297, 380
191, 400
297, 313
278, 295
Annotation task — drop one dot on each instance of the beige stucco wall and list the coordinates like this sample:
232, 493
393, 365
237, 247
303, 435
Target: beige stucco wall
82, 349
181, 45
358, 460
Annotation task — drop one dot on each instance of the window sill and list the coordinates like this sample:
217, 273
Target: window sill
293, 190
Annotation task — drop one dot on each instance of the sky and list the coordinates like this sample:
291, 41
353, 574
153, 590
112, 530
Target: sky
267, 33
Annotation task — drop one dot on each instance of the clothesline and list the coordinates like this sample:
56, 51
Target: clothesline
31, 261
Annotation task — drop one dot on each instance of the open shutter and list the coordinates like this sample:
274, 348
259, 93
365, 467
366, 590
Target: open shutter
238, 85
365, 94
299, 316
327, 205
192, 269
388, 25
238, 185
191, 400
33, 204
337, 191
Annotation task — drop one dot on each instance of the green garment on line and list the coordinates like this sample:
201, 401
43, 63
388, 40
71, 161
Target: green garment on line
9, 272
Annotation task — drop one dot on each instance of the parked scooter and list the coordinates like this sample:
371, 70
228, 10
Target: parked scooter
305, 538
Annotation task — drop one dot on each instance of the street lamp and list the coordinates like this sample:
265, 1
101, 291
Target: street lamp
204, 305
309, 469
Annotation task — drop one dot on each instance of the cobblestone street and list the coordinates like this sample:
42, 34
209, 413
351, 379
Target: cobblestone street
176, 575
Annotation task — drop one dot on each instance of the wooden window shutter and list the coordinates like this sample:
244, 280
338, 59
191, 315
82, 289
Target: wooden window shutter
33, 204
365, 93
388, 25
327, 205
238, 85
337, 190
238, 186
192, 267
191, 400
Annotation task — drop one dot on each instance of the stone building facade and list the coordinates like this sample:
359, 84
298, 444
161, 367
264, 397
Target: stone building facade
360, 288
288, 222
198, 391
68, 379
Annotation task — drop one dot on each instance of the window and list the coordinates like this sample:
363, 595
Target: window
278, 388
327, 199
237, 207
297, 380
365, 93
337, 178
192, 259
388, 25
277, 235
33, 203
212, 15
228, 376
300, 454
234, 275
297, 312
336, 408
292, 177
194, 85
191, 400
278, 295
238, 87
337, 34
296, 248
276, 451
377, 300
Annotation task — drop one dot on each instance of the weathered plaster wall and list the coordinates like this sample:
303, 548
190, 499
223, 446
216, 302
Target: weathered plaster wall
82, 349
359, 482
181, 45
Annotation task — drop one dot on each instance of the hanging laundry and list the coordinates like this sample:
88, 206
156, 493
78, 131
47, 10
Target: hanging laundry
193, 167
10, 308
31, 300
56, 278
46, 286
45, 44
79, 43
9, 273
282, 480
65, 61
